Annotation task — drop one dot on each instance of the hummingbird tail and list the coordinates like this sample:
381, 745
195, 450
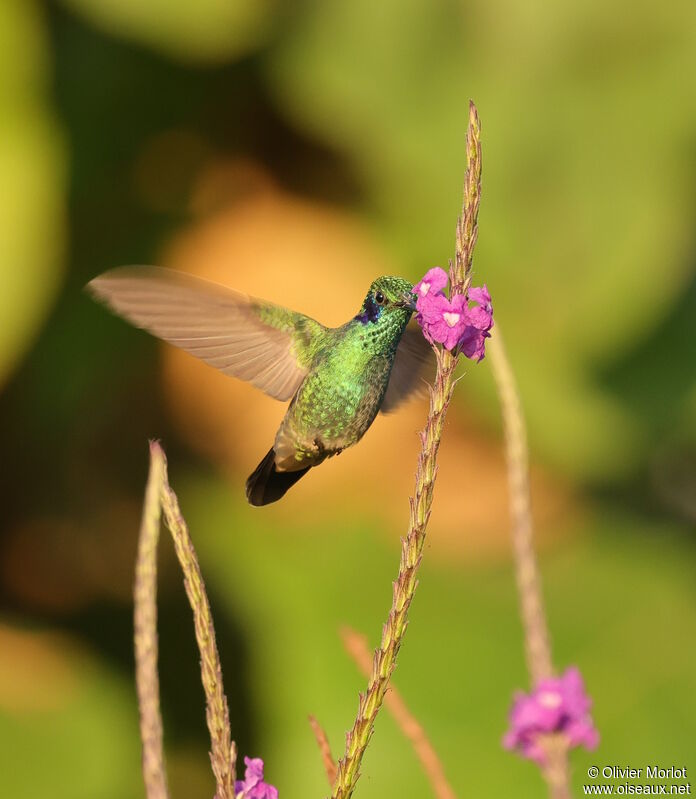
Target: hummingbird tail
266, 485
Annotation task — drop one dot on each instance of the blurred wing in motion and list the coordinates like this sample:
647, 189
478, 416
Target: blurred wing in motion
414, 363
264, 344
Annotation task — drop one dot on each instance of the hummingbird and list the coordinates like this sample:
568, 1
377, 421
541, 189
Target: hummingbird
337, 379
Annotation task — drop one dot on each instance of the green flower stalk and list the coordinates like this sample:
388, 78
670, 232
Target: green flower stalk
357, 648
384, 660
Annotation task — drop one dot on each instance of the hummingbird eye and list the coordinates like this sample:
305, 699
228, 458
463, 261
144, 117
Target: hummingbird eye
380, 299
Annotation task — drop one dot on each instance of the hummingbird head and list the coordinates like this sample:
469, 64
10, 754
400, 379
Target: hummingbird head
389, 298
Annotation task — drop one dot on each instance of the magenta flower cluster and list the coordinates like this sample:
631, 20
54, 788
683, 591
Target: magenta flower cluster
451, 321
556, 705
253, 786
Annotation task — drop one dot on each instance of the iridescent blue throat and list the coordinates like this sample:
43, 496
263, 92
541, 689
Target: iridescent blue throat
370, 312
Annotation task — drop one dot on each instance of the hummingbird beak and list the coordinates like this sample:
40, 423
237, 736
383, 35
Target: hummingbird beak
409, 301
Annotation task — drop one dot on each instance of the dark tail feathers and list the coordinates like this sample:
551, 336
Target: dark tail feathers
266, 485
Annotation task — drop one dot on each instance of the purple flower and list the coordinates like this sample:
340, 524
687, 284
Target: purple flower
443, 320
473, 340
451, 322
253, 786
557, 705
482, 297
433, 282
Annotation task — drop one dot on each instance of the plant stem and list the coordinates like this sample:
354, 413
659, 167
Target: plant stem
324, 749
159, 497
145, 625
404, 588
357, 648
536, 634
216, 711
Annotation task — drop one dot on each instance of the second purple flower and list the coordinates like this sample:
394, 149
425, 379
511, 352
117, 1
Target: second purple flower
253, 785
557, 705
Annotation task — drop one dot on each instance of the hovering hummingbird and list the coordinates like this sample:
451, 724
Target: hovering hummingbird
337, 379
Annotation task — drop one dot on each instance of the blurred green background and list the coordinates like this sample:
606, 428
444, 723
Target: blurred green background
296, 151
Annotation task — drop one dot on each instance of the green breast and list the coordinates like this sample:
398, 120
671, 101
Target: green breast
341, 396
344, 389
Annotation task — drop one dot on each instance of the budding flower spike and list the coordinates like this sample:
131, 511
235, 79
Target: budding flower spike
450, 321
557, 706
253, 786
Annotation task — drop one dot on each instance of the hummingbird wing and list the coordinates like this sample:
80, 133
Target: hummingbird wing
414, 363
264, 344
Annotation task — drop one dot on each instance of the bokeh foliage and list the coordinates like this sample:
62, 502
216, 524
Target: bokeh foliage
294, 153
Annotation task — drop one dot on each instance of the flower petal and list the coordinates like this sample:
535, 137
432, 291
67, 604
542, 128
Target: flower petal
472, 343
481, 318
431, 306
433, 282
481, 296
253, 786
